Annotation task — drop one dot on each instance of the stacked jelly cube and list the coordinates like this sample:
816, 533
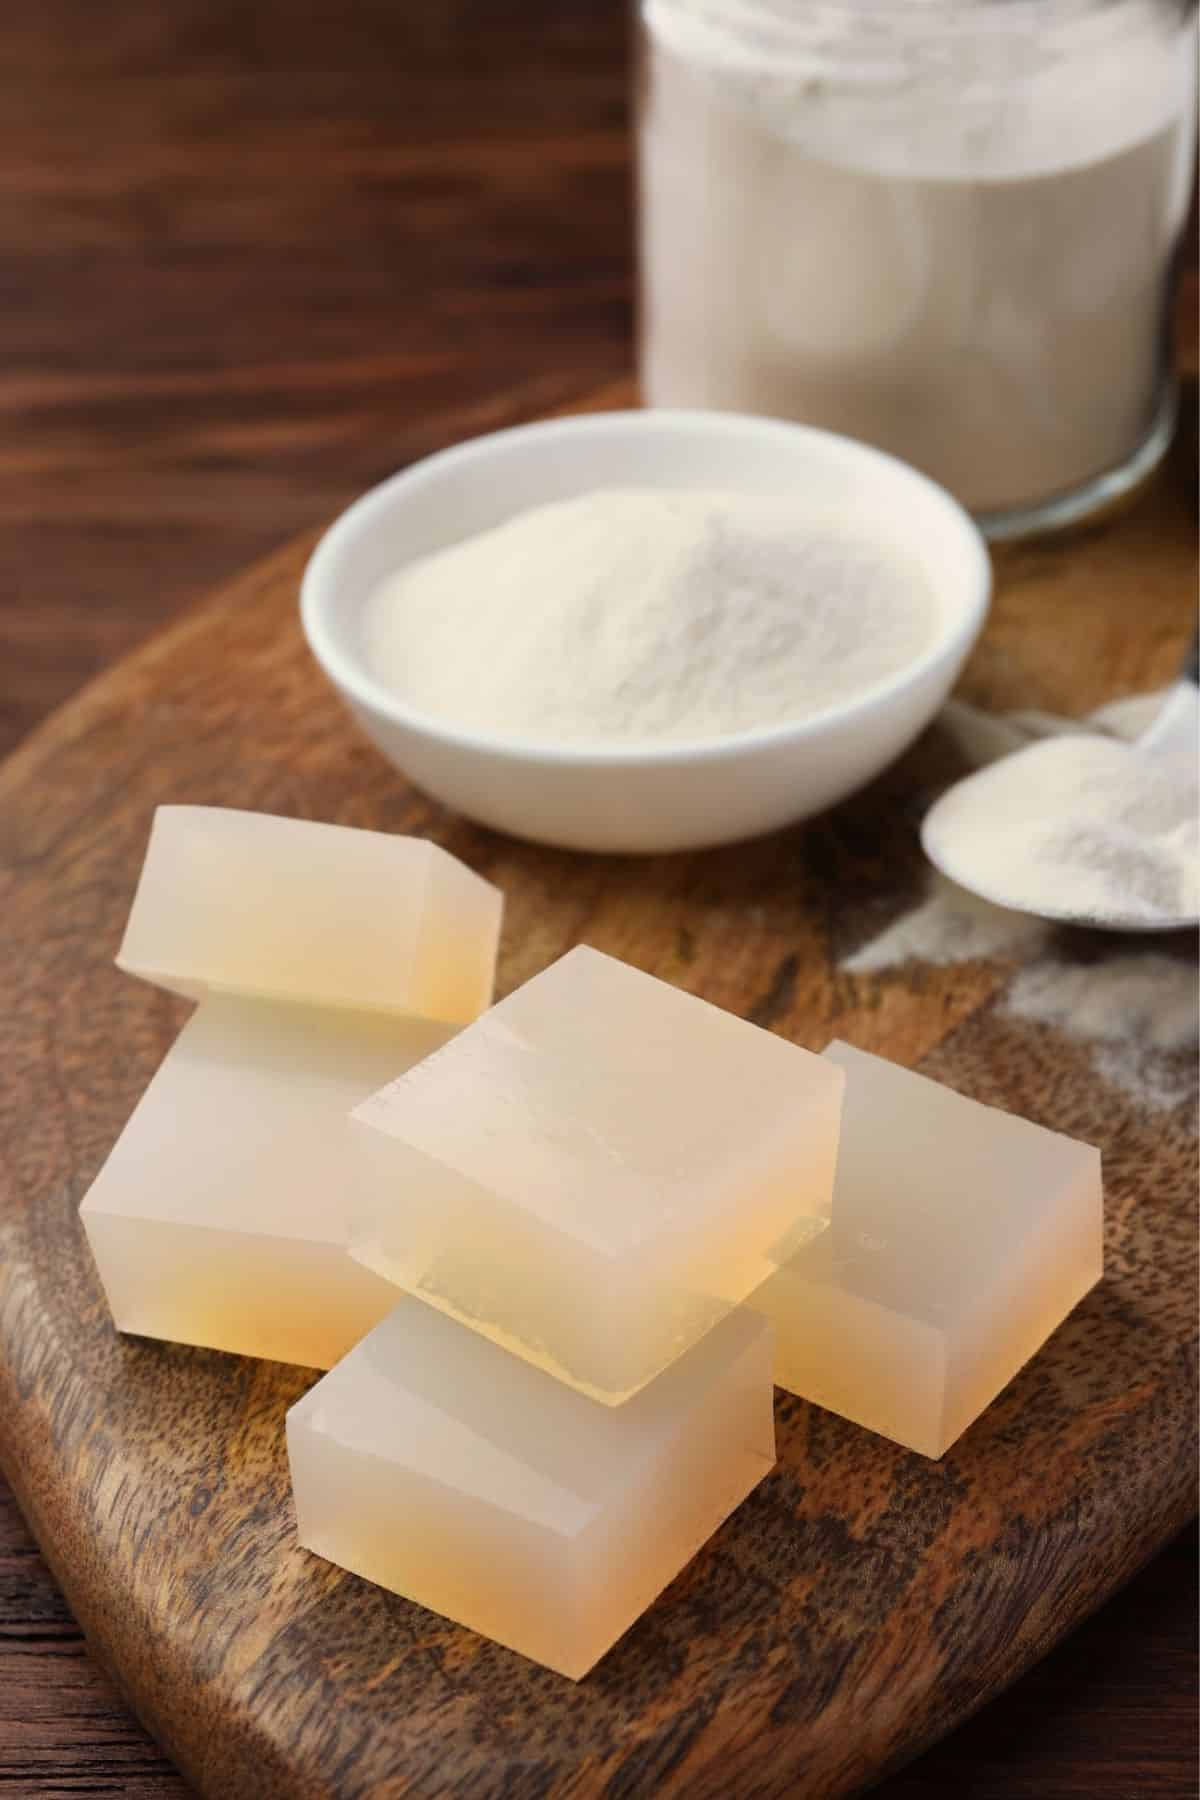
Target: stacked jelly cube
321, 962
577, 1190
545, 1239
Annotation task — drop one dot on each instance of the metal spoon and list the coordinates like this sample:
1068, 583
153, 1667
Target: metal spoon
1173, 732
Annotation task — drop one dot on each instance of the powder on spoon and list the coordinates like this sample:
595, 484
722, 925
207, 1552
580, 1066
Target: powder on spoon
633, 616
1076, 827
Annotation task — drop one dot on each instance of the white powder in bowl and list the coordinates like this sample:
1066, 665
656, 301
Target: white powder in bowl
1077, 827
633, 616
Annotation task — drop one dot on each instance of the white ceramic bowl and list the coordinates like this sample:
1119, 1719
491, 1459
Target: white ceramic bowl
680, 795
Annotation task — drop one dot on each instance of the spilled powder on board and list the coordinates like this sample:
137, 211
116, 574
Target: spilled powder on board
949, 925
1136, 1009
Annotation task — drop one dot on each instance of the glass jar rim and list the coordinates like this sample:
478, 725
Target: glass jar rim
881, 39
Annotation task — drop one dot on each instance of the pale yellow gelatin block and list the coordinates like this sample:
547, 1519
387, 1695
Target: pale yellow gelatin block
596, 1170
219, 1217
962, 1236
287, 909
443, 1468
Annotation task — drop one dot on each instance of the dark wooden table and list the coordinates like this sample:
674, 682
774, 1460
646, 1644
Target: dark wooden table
252, 257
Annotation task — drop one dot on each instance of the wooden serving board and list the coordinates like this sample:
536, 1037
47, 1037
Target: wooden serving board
863, 1601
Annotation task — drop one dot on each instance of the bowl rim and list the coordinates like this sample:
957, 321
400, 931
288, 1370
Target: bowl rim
318, 591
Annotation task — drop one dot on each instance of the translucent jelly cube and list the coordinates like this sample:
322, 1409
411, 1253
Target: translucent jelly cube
286, 909
596, 1170
961, 1237
219, 1217
439, 1466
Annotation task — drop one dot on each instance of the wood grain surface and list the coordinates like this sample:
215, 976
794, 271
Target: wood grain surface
863, 1600
256, 256
234, 291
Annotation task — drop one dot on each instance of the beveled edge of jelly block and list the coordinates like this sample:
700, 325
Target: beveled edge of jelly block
141, 1308
506, 1341
621, 1232
170, 813
604, 1325
437, 945
633, 1431
844, 1056
747, 1354
186, 978
1067, 1154
239, 1041
1086, 1174
1028, 1298
746, 1376
487, 892
820, 1383
319, 1534
375, 1366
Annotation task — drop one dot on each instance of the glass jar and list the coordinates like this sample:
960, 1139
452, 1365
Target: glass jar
948, 227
